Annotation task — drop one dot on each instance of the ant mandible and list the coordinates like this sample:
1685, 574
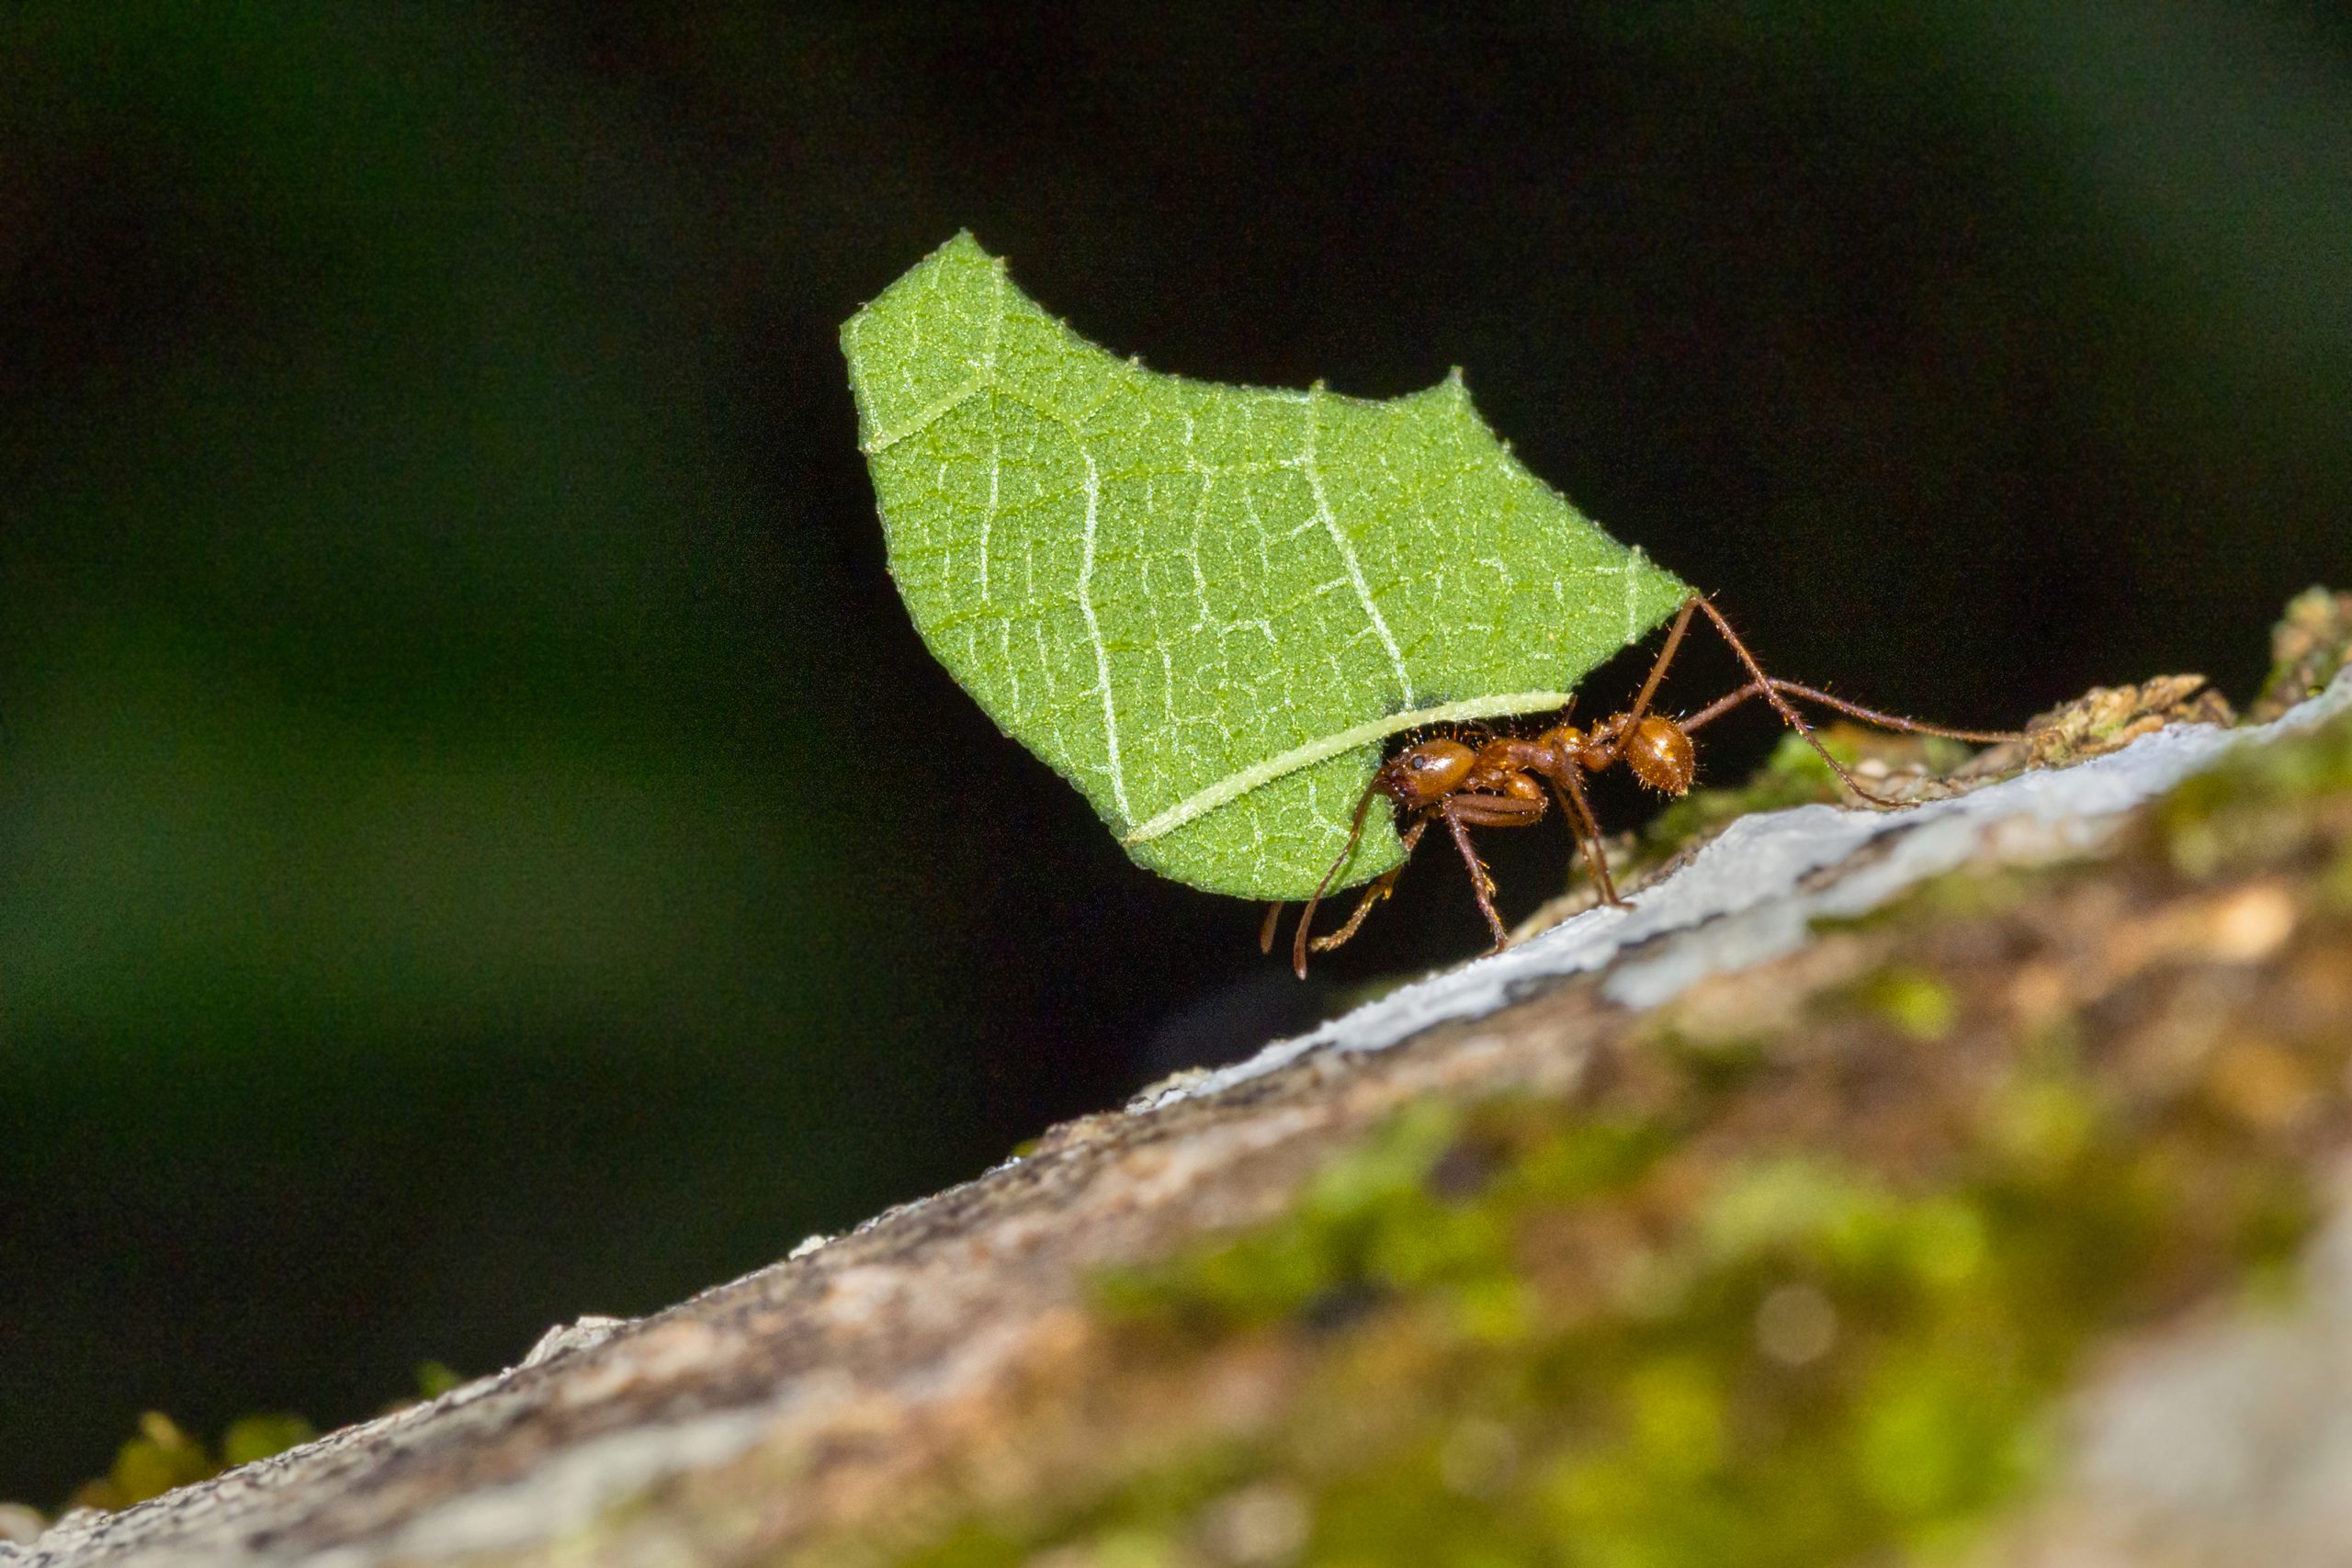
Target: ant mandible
1509, 782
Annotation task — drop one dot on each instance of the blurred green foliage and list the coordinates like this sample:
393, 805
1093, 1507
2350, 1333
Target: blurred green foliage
162, 1457
410, 930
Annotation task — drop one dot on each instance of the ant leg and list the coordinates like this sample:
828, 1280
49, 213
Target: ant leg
1273, 923
1722, 705
1481, 883
1586, 829
1633, 716
1378, 889
1346, 852
1789, 715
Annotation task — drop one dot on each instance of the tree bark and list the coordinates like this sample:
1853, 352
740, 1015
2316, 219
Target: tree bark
964, 1358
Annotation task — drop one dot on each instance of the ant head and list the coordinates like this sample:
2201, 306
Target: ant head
1661, 755
1425, 772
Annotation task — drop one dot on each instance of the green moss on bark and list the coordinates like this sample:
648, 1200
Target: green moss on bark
1715, 1315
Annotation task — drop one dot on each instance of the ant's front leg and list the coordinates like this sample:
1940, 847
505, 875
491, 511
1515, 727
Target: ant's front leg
1463, 812
1377, 889
1306, 916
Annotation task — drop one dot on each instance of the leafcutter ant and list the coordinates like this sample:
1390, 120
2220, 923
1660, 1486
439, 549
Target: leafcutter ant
1510, 781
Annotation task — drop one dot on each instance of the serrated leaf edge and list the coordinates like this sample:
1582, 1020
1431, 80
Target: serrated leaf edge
1233, 787
983, 375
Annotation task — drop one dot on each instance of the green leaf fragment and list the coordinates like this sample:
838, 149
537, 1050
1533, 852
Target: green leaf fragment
1206, 606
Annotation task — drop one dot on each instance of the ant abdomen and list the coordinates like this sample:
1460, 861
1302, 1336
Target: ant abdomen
1661, 755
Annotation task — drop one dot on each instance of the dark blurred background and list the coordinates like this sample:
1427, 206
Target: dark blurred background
480, 842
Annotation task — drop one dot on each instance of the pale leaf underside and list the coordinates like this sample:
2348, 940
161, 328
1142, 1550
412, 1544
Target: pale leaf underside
1209, 606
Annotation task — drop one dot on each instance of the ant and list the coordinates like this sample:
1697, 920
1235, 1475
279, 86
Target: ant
1510, 781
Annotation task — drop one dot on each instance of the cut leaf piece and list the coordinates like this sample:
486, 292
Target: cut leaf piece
1209, 607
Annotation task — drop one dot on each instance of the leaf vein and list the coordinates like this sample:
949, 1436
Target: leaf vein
1236, 784
1314, 473
1094, 636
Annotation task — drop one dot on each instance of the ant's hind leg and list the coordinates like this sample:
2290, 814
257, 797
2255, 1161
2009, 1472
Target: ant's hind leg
1273, 923
1724, 705
1770, 690
1586, 828
1666, 653
1481, 883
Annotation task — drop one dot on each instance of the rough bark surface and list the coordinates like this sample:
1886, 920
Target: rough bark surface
949, 1357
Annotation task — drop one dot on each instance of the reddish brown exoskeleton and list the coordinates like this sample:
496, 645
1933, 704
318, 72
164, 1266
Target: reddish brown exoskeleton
1512, 782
